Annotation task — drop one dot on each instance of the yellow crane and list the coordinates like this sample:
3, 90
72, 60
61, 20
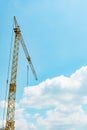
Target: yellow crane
10, 117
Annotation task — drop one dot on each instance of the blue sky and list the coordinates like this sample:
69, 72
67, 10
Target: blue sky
55, 33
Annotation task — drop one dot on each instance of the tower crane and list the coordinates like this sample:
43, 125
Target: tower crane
10, 117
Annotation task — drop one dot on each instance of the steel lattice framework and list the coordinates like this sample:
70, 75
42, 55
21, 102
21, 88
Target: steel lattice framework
10, 121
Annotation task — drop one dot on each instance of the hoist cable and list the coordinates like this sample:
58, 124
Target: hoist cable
27, 75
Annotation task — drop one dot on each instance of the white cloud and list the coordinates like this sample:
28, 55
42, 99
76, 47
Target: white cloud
63, 97
80, 75
23, 124
84, 99
3, 104
64, 116
52, 91
21, 120
58, 103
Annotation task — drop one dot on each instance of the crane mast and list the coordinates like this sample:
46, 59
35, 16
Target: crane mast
10, 117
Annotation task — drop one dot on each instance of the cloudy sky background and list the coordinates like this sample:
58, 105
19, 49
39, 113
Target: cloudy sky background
55, 33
